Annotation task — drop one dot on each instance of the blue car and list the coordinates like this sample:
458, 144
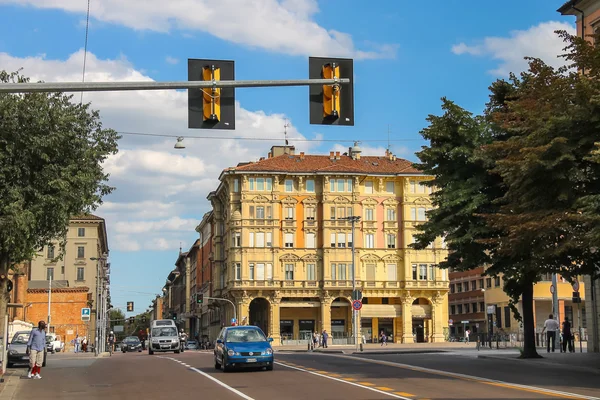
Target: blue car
243, 347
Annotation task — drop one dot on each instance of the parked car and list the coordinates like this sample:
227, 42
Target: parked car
131, 343
192, 345
17, 349
54, 343
243, 346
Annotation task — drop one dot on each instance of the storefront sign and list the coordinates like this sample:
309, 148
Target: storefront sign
338, 322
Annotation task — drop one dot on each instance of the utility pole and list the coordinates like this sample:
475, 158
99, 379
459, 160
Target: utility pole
49, 297
354, 219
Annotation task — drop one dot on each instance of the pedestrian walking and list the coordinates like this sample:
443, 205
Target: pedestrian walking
383, 338
567, 337
325, 337
552, 326
35, 350
467, 333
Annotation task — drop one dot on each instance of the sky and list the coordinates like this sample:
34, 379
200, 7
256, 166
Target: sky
406, 58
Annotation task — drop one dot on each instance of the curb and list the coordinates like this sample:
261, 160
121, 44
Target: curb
544, 362
379, 352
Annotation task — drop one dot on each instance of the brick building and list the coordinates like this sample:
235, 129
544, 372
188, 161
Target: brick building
65, 307
467, 301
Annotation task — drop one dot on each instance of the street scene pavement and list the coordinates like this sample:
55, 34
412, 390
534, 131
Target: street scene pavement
448, 374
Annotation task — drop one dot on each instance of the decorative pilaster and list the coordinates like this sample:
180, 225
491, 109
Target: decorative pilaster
326, 300
437, 317
274, 319
407, 301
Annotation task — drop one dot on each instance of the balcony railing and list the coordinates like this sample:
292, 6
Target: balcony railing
426, 284
261, 222
311, 223
337, 283
390, 224
288, 223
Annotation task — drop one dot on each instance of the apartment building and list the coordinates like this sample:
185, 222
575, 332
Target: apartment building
587, 13
467, 302
83, 264
282, 247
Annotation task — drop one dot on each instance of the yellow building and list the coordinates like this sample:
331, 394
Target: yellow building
282, 247
542, 304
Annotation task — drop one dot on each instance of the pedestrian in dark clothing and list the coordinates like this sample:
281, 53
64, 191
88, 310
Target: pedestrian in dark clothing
567, 336
325, 337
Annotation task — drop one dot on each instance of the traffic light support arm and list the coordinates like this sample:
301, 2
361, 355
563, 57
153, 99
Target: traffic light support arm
151, 85
227, 300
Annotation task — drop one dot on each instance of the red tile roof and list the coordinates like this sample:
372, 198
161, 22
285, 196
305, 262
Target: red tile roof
315, 164
91, 217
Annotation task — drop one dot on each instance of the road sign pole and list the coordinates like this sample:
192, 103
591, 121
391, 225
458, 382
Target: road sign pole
355, 314
152, 85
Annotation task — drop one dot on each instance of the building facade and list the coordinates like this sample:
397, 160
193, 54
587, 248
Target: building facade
467, 302
283, 247
587, 13
83, 264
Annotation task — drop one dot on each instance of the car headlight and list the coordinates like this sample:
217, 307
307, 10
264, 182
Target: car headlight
230, 352
267, 352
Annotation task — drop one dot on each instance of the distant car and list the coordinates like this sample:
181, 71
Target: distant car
17, 350
243, 346
131, 343
192, 345
54, 343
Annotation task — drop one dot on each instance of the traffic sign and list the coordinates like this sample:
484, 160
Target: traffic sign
356, 295
233, 321
576, 286
450, 322
357, 305
464, 322
85, 314
552, 289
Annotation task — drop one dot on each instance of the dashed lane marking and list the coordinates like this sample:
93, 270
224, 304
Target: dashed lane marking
404, 394
218, 382
359, 384
385, 389
471, 378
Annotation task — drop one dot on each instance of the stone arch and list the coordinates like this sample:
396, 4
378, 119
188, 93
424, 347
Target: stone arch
421, 311
259, 313
341, 317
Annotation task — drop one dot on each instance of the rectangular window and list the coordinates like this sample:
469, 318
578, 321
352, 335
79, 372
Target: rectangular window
269, 239
332, 240
349, 185
369, 214
269, 212
474, 307
423, 272
81, 232
332, 185
259, 272
349, 236
452, 310
459, 288
392, 272
80, 252
251, 271
251, 239
496, 281
51, 251
236, 185
260, 239
368, 187
332, 212
289, 185
341, 212
481, 284
412, 190
237, 239
310, 185
389, 187
460, 308
421, 188
310, 213
50, 273
310, 241
391, 214
473, 285
340, 185
238, 271
421, 214
260, 184
341, 237
311, 272
289, 213
289, 272
482, 306
350, 272
370, 272
391, 241
452, 288
413, 214
333, 272
431, 272
444, 274
488, 283
251, 211
260, 213
269, 183
289, 240
342, 272
251, 183
467, 308
369, 241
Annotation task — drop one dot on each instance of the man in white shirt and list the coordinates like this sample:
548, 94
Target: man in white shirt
552, 326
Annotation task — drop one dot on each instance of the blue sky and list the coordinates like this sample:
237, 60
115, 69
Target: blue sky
406, 58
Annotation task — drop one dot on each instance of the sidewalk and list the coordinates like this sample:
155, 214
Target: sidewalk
573, 361
9, 386
373, 348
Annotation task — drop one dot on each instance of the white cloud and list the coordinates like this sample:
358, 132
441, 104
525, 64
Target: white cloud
283, 26
160, 192
171, 60
539, 41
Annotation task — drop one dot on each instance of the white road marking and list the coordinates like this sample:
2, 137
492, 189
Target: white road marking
346, 382
468, 377
242, 395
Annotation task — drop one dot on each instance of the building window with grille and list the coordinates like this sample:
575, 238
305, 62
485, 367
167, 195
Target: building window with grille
50, 273
51, 251
311, 272
81, 232
80, 252
80, 274
289, 272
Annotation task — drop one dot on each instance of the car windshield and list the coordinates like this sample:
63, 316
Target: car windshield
131, 340
21, 338
166, 331
245, 335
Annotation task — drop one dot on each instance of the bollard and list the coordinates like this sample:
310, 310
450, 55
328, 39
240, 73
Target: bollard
361, 347
308, 347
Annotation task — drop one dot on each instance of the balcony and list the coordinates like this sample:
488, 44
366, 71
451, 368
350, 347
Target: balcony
337, 223
426, 284
339, 283
381, 285
311, 224
369, 224
261, 222
288, 224
390, 225
276, 284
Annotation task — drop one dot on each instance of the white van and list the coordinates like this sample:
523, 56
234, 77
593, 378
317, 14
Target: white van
163, 336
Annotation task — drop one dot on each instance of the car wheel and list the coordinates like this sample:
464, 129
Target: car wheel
270, 367
176, 351
217, 365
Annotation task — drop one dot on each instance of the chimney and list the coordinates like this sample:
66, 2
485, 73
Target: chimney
337, 155
302, 155
331, 156
260, 159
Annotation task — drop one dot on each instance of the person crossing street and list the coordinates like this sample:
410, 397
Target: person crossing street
35, 350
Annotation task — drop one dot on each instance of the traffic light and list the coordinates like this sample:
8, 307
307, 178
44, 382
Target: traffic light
175, 316
331, 104
211, 108
576, 297
200, 298
129, 306
131, 320
143, 319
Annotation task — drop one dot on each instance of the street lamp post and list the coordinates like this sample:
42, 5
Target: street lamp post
354, 220
100, 307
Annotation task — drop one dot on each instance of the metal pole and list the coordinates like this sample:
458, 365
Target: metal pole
97, 338
227, 300
580, 331
49, 298
151, 85
354, 312
555, 309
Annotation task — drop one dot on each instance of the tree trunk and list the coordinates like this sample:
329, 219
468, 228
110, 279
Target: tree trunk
4, 269
529, 348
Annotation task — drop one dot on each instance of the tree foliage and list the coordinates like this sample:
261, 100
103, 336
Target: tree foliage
519, 186
51, 154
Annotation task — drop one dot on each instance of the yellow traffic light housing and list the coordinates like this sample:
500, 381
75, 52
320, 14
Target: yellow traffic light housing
211, 97
331, 93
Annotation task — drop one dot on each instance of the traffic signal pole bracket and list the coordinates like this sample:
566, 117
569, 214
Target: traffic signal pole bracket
151, 85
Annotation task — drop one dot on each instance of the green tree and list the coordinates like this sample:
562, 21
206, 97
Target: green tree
519, 185
51, 154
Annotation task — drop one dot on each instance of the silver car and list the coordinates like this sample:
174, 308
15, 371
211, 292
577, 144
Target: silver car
17, 349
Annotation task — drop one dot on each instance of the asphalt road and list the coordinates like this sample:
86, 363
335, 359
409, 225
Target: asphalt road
305, 376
